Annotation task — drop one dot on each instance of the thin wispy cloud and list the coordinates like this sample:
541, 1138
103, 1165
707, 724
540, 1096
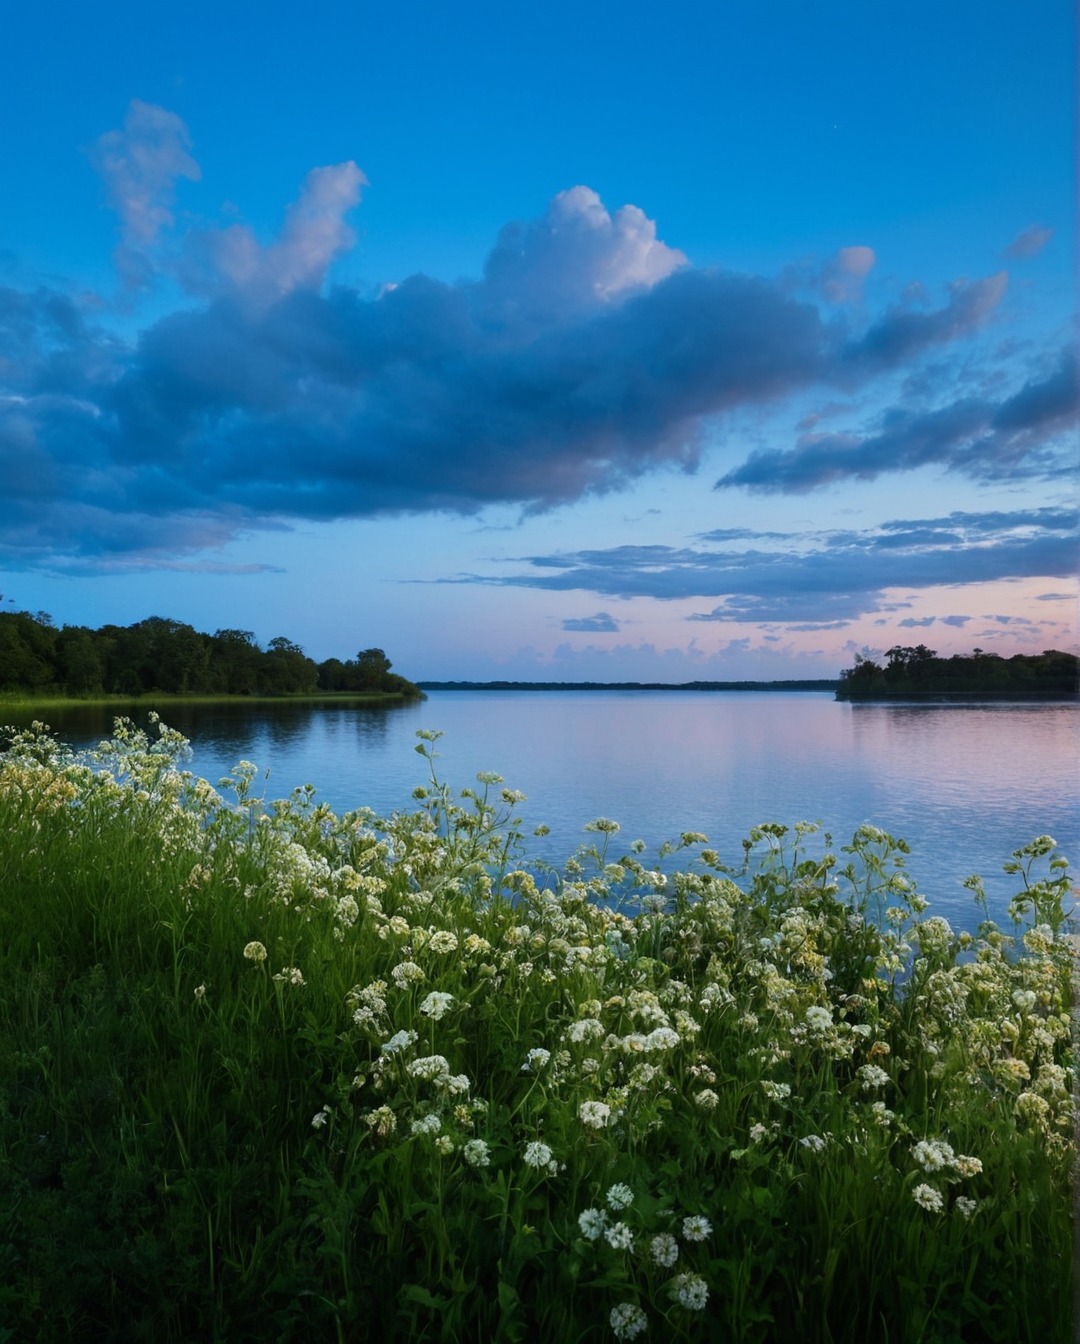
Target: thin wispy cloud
602, 623
835, 575
1032, 429
1030, 242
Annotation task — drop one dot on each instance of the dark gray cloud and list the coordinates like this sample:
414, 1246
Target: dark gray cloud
601, 624
821, 577
588, 354
975, 436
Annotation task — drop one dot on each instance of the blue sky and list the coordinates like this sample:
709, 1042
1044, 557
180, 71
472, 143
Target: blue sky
592, 342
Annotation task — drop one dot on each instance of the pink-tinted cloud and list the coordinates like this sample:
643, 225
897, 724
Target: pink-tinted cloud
140, 166
315, 233
1030, 242
844, 274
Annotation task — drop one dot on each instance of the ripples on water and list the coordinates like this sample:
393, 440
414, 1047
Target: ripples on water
964, 784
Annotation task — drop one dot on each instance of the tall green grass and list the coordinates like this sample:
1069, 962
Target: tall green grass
272, 1074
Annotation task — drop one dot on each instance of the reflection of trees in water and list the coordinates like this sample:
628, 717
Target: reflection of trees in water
232, 731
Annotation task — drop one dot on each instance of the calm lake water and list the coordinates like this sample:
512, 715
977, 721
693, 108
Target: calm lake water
963, 784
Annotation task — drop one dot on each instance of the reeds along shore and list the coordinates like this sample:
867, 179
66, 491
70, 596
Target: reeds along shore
271, 1073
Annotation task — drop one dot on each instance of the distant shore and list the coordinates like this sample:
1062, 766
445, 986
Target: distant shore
823, 685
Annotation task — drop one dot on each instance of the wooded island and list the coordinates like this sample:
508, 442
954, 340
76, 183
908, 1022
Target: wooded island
918, 673
166, 656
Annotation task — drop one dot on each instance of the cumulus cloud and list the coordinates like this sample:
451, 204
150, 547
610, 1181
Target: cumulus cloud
976, 436
820, 577
589, 353
1029, 242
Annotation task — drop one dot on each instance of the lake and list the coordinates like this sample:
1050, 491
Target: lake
964, 784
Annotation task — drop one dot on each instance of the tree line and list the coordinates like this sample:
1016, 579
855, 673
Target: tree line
169, 656
916, 671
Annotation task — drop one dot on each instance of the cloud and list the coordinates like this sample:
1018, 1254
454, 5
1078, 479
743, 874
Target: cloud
576, 257
313, 236
843, 276
1029, 242
912, 622
601, 623
977, 437
588, 354
905, 331
140, 166
958, 621
820, 578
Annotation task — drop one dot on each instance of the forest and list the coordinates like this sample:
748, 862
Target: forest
916, 672
160, 655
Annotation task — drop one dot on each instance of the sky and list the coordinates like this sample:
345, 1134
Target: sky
591, 341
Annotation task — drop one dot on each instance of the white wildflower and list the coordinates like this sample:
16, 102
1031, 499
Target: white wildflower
595, 1114
592, 1223
255, 952
928, 1198
430, 1067
477, 1153
965, 1207
319, 1119
436, 1004
628, 1320
933, 1154
661, 1038
776, 1091
872, 1076
537, 1154
696, 1228
585, 1029
406, 973
535, 1060
690, 1291
664, 1249
620, 1196
619, 1236
401, 1040
383, 1121
428, 1124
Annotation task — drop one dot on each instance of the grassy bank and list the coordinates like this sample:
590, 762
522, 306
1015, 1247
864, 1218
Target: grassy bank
125, 704
276, 1074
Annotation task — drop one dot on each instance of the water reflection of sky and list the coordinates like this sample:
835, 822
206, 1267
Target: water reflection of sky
964, 785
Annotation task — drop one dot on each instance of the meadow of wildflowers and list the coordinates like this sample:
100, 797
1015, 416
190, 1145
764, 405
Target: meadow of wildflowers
269, 1073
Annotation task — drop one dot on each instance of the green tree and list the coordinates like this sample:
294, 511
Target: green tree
287, 668
372, 667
